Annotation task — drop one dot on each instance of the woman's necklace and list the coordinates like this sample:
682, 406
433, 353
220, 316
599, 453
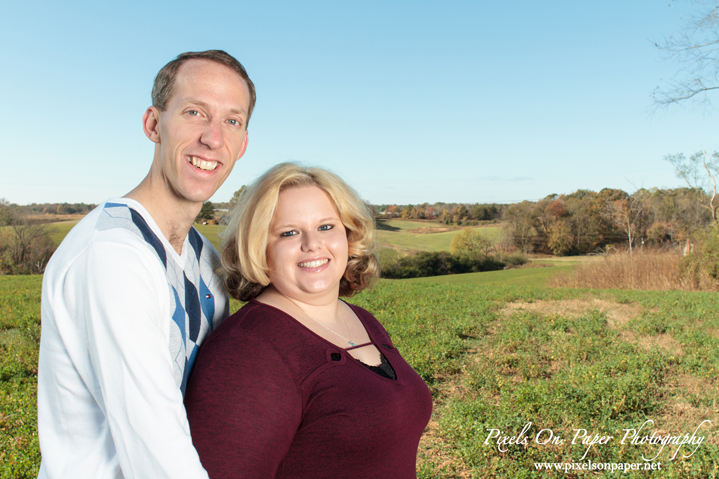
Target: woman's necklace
351, 343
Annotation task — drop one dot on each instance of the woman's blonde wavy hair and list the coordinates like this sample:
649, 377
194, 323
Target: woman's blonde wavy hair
244, 242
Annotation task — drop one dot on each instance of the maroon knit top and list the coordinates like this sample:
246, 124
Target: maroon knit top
268, 398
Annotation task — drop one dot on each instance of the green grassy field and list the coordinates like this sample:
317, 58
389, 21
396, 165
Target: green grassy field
59, 230
399, 234
525, 277
500, 351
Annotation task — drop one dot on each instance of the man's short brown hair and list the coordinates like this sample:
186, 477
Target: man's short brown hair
165, 80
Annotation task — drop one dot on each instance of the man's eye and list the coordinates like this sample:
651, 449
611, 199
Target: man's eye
288, 233
233, 122
193, 112
326, 227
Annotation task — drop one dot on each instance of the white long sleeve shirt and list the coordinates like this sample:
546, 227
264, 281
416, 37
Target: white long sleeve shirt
122, 317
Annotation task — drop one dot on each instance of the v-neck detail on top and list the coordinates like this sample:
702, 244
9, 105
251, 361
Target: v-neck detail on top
370, 335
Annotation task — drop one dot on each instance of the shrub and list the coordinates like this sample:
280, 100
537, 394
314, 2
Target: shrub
470, 242
438, 264
701, 266
513, 260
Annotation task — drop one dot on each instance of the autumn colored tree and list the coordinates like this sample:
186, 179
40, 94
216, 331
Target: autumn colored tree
560, 238
470, 242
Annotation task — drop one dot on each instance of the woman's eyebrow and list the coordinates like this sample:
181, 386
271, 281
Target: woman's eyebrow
293, 225
281, 227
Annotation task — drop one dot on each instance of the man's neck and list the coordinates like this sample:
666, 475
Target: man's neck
173, 215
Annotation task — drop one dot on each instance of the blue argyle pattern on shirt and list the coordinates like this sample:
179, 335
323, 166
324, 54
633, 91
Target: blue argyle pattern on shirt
193, 286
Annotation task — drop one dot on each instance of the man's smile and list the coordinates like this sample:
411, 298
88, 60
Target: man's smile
202, 164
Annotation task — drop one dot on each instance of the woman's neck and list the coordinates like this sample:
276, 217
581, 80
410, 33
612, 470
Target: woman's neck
326, 310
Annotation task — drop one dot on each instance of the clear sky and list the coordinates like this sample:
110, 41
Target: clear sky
409, 101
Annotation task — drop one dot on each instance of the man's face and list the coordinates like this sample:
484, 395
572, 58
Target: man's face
202, 132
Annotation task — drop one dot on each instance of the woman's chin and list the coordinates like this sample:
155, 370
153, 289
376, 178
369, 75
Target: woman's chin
308, 291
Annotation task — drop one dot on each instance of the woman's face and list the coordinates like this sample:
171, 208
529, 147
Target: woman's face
307, 246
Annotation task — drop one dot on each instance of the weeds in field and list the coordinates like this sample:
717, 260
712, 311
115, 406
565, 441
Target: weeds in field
644, 270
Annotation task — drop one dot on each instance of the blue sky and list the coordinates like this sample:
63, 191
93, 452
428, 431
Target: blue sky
481, 101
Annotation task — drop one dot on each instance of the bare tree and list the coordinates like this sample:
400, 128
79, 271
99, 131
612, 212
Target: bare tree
699, 172
696, 49
25, 246
630, 215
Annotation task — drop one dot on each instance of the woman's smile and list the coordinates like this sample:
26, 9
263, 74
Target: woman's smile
314, 264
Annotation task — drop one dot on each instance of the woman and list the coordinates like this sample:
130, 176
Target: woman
297, 383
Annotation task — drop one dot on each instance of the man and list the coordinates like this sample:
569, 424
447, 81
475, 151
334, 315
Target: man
132, 291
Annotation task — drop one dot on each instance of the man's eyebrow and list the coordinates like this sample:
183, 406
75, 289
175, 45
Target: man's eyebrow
238, 111
235, 111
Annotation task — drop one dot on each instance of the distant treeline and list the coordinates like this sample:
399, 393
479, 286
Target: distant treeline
586, 221
54, 208
582, 222
448, 213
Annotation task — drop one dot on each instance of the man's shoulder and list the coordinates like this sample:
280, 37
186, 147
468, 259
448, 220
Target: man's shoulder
117, 223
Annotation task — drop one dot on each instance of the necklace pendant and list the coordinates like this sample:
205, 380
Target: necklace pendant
352, 344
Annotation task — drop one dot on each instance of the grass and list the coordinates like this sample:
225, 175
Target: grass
499, 350
60, 229
526, 277
19, 341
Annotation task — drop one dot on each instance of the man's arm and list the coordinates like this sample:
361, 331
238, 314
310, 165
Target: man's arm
123, 309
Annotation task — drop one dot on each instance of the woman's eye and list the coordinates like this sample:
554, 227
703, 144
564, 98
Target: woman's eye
288, 233
326, 227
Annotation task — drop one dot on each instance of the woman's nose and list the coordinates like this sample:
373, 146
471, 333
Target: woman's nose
310, 241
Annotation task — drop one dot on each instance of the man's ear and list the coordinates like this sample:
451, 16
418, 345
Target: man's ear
151, 124
244, 146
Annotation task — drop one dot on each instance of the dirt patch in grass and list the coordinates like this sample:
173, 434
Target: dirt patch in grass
688, 406
618, 314
661, 341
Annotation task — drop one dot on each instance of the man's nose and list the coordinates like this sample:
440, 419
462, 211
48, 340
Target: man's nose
212, 135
